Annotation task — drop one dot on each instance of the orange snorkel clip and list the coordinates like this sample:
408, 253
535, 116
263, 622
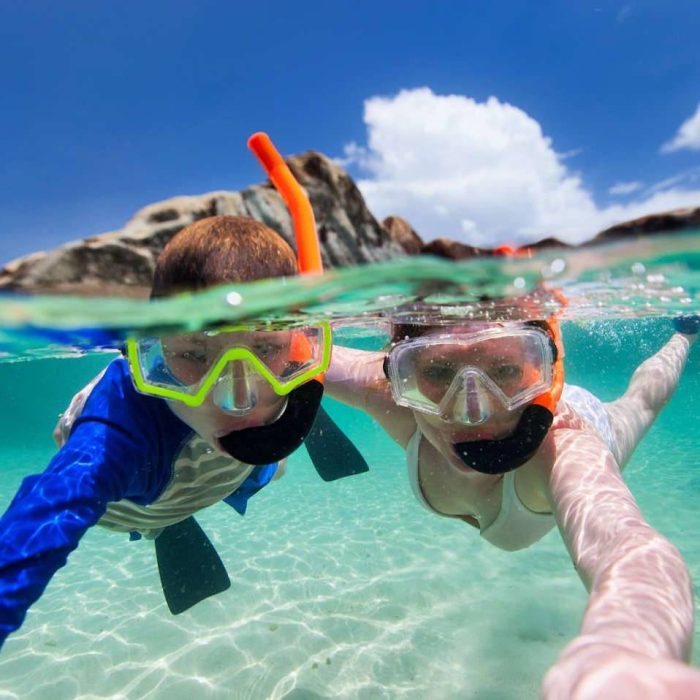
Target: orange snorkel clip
550, 398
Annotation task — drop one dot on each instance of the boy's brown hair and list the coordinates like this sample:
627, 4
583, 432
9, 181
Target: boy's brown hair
221, 250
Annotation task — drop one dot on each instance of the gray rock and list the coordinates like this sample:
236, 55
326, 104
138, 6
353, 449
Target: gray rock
122, 262
454, 250
402, 233
663, 222
264, 204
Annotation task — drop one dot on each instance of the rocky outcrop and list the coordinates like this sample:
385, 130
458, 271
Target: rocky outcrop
122, 262
402, 233
664, 222
548, 243
447, 248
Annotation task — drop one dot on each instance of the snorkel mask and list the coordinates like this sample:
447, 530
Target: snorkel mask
232, 362
501, 456
466, 377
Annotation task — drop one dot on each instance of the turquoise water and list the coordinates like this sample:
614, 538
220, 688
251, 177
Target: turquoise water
350, 588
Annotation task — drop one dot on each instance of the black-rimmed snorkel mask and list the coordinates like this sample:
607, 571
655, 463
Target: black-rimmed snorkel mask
464, 377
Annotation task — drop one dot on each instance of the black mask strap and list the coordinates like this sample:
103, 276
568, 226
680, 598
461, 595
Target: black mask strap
270, 443
501, 456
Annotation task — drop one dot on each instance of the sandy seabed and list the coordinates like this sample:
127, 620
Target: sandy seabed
339, 590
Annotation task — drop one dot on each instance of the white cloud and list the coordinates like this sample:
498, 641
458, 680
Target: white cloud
622, 188
687, 137
479, 172
687, 178
570, 154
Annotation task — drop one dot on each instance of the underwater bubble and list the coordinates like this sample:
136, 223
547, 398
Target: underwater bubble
558, 266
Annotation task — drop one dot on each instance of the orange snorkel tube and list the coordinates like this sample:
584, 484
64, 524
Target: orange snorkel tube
550, 398
333, 455
308, 250
265, 444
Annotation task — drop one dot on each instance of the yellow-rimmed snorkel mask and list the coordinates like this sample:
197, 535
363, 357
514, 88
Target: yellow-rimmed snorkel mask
230, 362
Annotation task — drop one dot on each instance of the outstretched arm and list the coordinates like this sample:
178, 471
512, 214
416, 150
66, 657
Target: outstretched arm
47, 518
640, 604
356, 378
649, 390
112, 453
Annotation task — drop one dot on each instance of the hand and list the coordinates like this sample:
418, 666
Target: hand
688, 324
607, 671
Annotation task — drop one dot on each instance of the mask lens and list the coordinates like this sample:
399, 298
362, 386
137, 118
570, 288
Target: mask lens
166, 364
187, 366
188, 358
452, 375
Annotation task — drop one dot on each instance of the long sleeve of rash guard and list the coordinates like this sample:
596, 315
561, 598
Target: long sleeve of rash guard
112, 453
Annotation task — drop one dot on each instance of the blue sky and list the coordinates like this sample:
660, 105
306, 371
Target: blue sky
484, 121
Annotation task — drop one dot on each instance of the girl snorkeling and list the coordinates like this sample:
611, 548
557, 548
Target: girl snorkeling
496, 439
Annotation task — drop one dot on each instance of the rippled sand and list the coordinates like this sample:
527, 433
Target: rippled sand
347, 589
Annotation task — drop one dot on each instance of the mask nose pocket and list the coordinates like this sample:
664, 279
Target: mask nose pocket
235, 391
468, 400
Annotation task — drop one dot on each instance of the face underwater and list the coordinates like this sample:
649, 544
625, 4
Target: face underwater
251, 393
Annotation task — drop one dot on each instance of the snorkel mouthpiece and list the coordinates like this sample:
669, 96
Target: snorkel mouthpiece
504, 455
270, 443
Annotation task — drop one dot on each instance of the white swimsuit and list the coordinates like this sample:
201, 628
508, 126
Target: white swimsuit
516, 526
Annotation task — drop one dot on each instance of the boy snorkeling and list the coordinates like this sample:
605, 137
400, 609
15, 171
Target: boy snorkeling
181, 422
495, 438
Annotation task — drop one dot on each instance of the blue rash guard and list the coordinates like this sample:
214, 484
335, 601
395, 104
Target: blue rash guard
123, 445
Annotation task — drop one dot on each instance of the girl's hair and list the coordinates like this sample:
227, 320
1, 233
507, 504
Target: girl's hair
403, 331
221, 250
